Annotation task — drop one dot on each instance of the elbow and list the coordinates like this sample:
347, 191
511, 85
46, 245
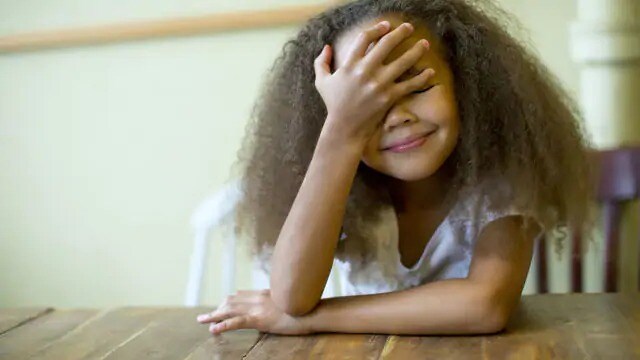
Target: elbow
297, 310
492, 316
493, 320
293, 303
293, 306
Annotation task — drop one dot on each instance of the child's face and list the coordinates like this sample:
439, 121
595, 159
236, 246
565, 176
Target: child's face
433, 112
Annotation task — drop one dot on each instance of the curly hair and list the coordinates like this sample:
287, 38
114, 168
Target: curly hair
518, 124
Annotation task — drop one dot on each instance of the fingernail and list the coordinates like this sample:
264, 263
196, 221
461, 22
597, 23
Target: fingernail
409, 26
216, 327
383, 25
425, 43
203, 317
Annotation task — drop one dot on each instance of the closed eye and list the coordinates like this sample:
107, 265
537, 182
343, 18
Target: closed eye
425, 90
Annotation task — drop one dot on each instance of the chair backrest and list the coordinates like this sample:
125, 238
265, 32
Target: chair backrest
618, 182
209, 216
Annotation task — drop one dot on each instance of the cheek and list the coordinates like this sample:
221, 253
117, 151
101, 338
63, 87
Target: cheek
371, 152
453, 134
449, 123
440, 108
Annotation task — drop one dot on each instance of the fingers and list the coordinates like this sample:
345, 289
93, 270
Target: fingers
235, 323
322, 63
384, 47
364, 40
417, 82
223, 312
215, 316
234, 305
399, 66
205, 318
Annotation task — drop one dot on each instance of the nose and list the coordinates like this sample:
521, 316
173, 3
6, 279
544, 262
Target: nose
398, 117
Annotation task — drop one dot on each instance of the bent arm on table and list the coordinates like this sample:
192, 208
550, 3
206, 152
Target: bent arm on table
480, 303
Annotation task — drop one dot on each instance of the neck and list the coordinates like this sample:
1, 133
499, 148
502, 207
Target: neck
421, 195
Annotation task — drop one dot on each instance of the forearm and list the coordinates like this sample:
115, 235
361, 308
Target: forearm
304, 251
457, 306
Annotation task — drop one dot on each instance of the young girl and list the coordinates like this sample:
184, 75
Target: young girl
422, 147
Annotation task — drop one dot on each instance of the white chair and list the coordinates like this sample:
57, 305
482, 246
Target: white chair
210, 214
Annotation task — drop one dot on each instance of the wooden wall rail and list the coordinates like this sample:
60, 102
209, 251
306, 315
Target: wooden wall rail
184, 26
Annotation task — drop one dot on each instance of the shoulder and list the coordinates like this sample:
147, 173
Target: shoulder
487, 204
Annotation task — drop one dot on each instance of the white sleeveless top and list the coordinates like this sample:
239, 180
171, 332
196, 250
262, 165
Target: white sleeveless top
447, 255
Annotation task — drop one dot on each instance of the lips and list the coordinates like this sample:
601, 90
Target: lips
408, 140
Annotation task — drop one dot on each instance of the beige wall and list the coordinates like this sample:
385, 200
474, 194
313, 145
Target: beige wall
106, 150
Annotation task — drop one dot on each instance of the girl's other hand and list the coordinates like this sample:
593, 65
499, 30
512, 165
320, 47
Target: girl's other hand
253, 310
359, 94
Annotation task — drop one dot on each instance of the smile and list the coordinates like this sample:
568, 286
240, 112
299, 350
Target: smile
409, 145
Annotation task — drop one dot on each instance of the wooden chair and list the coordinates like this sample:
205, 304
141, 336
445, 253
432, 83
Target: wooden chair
618, 182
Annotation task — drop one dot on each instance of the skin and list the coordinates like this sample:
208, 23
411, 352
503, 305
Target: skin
433, 111
418, 176
369, 107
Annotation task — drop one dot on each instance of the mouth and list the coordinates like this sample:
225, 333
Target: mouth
409, 144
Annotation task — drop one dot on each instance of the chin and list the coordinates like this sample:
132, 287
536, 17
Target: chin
409, 166
410, 172
415, 165
413, 174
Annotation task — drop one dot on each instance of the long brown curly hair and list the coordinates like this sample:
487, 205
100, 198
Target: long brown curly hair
517, 123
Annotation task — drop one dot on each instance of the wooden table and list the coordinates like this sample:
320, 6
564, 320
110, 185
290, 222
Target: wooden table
579, 326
